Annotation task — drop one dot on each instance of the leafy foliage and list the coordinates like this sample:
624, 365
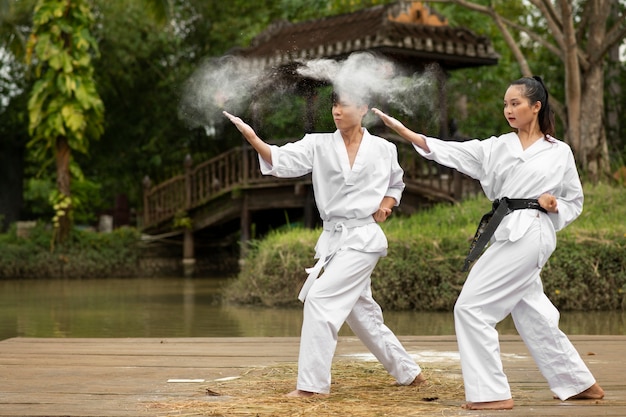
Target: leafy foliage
65, 111
269, 276
64, 100
426, 252
148, 48
85, 254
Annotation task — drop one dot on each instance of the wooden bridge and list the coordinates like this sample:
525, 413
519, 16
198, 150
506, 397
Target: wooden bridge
230, 187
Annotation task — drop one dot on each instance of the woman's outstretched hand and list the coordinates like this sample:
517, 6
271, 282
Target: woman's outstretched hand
397, 126
389, 121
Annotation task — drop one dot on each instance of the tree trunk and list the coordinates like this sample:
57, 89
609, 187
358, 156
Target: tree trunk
12, 180
63, 156
613, 108
572, 80
594, 150
594, 154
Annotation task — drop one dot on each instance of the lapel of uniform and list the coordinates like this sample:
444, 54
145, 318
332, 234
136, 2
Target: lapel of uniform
342, 155
537, 147
360, 159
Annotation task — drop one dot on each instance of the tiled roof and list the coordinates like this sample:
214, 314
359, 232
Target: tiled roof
406, 31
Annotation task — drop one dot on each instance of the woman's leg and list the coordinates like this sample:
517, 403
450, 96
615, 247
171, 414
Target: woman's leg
537, 321
496, 283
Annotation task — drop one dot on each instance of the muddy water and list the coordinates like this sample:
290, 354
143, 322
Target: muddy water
180, 307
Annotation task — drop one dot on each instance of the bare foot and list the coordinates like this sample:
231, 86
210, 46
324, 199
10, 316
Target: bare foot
419, 381
490, 405
594, 392
304, 394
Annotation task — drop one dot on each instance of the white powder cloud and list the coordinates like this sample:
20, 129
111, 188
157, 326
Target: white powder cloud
232, 83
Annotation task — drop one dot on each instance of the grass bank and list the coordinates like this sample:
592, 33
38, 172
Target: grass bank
85, 254
426, 251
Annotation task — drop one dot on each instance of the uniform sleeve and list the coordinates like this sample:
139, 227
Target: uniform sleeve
290, 160
570, 200
396, 182
465, 157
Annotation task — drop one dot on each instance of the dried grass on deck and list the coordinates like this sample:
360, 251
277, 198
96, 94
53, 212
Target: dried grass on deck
359, 389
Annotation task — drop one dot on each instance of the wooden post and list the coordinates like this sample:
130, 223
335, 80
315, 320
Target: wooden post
189, 260
310, 96
309, 208
444, 133
188, 181
443, 105
147, 184
245, 166
244, 226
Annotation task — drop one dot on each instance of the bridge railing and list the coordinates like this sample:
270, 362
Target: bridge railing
233, 169
434, 180
239, 168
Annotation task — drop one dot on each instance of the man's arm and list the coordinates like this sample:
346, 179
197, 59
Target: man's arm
385, 208
256, 142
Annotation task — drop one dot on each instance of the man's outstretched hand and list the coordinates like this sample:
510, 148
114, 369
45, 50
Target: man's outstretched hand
257, 143
242, 126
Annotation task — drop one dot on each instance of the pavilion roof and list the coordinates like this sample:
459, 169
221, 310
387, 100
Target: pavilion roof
406, 31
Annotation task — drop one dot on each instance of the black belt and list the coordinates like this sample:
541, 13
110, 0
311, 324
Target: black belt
490, 221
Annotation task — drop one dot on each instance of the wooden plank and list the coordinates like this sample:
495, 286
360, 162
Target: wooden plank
121, 377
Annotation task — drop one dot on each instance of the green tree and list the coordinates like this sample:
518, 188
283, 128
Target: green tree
580, 35
65, 110
148, 49
14, 16
15, 21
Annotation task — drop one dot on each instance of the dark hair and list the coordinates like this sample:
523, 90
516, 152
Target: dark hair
535, 90
358, 99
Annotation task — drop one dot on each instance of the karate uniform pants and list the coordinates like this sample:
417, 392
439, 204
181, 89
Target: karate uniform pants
343, 294
505, 280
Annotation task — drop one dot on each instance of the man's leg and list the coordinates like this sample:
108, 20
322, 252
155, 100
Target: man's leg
326, 307
366, 321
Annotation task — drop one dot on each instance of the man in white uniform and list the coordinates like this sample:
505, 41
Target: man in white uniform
539, 171
356, 181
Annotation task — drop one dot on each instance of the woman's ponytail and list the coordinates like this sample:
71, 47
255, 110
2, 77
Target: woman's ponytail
536, 91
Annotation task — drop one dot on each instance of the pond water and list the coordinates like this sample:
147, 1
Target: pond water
191, 307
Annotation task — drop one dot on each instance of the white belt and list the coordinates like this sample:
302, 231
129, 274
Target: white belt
342, 227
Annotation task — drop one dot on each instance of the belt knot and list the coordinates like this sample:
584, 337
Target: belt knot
490, 222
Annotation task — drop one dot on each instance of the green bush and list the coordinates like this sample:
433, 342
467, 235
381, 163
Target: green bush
85, 254
426, 251
273, 271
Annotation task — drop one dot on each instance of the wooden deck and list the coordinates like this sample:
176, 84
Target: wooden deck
122, 377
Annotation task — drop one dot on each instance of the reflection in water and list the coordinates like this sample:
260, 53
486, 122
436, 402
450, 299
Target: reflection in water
180, 307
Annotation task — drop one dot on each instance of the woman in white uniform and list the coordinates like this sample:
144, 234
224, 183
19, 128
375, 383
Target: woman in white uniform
538, 174
356, 181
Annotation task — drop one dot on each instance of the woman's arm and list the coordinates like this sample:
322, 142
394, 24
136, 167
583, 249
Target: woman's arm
394, 124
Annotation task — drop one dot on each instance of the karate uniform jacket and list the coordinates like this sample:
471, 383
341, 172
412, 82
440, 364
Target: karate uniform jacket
504, 169
343, 193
